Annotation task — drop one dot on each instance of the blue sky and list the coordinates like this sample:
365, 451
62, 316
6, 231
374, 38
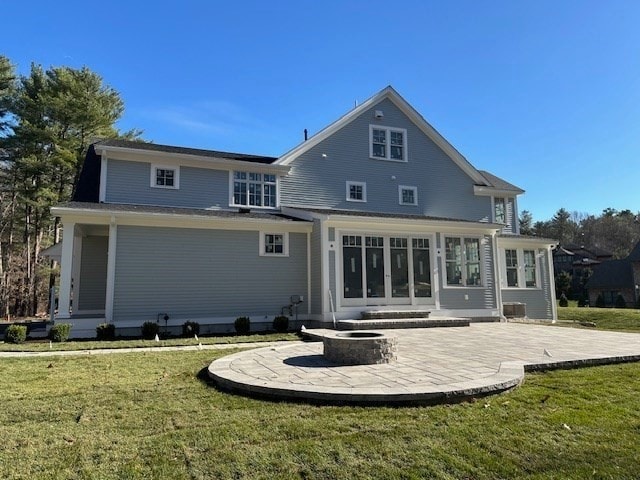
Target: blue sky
545, 94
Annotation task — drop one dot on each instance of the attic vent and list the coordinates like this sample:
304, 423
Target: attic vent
244, 210
379, 114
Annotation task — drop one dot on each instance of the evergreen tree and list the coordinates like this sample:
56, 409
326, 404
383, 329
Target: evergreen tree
55, 115
526, 223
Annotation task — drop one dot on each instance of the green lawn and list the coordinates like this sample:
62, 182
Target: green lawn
148, 415
622, 319
41, 345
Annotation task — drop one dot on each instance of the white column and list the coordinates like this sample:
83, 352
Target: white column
552, 285
111, 271
66, 269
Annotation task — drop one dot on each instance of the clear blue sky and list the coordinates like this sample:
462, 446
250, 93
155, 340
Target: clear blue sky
545, 94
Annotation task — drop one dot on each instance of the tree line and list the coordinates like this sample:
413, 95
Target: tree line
612, 230
48, 118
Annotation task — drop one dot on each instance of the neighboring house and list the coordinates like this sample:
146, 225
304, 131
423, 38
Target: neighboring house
617, 277
578, 261
376, 211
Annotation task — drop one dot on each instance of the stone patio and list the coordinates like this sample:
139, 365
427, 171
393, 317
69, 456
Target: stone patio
434, 365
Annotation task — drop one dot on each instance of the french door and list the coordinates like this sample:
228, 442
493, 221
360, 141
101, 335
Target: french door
386, 270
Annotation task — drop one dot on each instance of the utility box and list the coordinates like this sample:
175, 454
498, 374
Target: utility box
514, 310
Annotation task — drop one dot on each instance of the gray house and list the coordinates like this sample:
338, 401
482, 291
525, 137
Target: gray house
375, 212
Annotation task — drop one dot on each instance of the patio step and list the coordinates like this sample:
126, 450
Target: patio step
389, 323
393, 314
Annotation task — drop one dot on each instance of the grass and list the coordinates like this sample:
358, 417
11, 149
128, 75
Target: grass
621, 319
41, 345
149, 415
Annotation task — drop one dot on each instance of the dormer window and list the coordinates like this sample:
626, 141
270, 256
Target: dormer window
500, 210
165, 177
386, 143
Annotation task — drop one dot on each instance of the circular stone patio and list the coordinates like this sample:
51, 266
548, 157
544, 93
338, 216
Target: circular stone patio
434, 365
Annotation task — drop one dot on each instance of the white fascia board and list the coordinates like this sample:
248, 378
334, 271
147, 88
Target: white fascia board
183, 159
524, 242
480, 190
408, 110
105, 217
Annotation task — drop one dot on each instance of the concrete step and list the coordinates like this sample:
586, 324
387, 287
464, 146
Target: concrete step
393, 314
388, 323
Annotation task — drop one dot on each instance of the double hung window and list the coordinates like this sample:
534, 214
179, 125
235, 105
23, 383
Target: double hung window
520, 268
388, 143
462, 258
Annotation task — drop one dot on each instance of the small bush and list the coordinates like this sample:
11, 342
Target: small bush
243, 325
583, 301
150, 330
563, 301
15, 334
281, 324
106, 331
189, 329
620, 302
60, 332
600, 301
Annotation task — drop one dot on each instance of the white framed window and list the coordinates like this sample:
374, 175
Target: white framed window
520, 269
274, 244
356, 191
387, 143
462, 262
165, 177
499, 210
407, 195
252, 189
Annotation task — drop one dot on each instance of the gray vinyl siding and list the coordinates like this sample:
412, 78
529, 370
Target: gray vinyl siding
316, 268
193, 273
478, 297
539, 301
318, 177
93, 273
130, 182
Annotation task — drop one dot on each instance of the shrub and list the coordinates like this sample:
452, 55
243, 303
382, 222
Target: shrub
106, 331
243, 325
281, 323
583, 301
600, 301
15, 334
563, 301
150, 330
60, 332
189, 329
620, 302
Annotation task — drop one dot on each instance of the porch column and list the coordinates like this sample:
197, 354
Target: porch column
552, 285
111, 271
66, 269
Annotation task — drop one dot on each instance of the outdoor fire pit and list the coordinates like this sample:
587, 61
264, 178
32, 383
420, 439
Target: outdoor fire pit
359, 348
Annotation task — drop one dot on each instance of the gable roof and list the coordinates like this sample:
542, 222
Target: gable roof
390, 94
499, 183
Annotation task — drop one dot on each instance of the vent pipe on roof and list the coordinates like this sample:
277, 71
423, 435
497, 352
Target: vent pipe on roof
305, 134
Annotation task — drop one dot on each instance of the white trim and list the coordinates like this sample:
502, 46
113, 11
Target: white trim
520, 269
481, 258
415, 195
187, 160
552, 286
308, 273
102, 194
144, 219
253, 207
111, 271
388, 130
176, 176
77, 265
349, 184
66, 269
484, 191
262, 243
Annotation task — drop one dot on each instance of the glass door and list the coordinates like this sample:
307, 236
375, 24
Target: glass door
382, 270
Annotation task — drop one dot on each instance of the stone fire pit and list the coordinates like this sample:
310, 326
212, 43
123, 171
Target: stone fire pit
360, 348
